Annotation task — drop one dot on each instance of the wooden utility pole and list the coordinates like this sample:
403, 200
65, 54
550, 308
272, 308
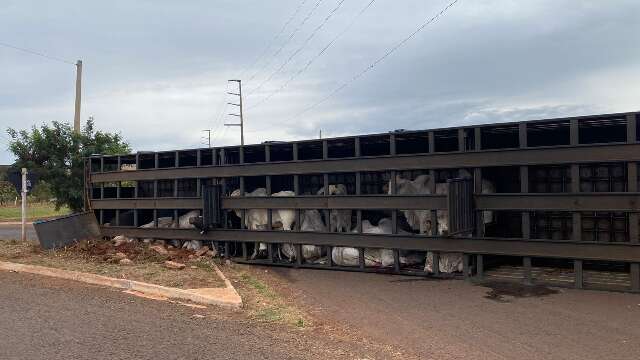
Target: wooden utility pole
239, 105
76, 118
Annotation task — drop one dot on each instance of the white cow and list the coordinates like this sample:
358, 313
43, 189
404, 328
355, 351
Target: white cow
420, 219
340, 220
258, 219
348, 256
311, 220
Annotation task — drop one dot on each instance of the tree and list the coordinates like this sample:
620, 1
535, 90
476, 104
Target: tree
7, 192
57, 155
41, 192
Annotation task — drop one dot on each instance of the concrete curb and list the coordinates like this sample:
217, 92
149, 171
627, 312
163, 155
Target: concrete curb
225, 297
15, 223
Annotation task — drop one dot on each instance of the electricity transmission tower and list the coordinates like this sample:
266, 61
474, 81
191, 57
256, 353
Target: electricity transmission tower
239, 105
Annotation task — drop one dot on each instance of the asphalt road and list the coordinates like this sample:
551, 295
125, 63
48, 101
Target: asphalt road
14, 231
451, 319
46, 318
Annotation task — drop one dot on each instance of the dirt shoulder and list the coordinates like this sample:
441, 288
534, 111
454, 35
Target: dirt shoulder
103, 258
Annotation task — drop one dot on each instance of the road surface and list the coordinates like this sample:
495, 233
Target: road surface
451, 319
46, 318
13, 231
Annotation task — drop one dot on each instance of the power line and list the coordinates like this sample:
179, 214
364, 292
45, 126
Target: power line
313, 59
268, 47
304, 43
291, 36
378, 60
32, 52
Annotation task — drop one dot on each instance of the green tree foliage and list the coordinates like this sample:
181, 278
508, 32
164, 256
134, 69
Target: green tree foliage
41, 192
57, 155
7, 193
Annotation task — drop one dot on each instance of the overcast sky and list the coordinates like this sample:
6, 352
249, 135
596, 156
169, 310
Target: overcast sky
157, 71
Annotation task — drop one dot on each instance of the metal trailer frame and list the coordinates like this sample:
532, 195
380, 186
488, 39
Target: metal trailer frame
470, 154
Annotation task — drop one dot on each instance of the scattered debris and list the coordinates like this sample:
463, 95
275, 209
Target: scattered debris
121, 240
159, 249
126, 262
174, 265
202, 251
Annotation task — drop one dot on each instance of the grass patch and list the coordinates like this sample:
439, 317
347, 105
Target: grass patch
34, 211
262, 301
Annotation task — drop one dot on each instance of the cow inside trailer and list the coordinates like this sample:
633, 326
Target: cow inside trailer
548, 194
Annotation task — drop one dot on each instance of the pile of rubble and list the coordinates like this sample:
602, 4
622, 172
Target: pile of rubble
175, 252
127, 251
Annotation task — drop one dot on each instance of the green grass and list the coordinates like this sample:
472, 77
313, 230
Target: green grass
34, 211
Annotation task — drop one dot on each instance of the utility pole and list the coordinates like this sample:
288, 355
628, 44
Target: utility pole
24, 204
208, 131
239, 105
76, 118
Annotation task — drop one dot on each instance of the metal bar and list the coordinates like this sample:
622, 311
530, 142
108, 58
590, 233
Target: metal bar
357, 146
524, 188
432, 141
358, 183
574, 132
267, 153
560, 201
522, 135
392, 144
635, 277
480, 266
436, 262
631, 128
624, 252
361, 261
296, 185
509, 157
576, 233
295, 151
461, 143
526, 264
298, 249
325, 150
465, 265
477, 133
578, 276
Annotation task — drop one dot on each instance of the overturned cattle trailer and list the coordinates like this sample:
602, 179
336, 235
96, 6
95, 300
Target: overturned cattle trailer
551, 201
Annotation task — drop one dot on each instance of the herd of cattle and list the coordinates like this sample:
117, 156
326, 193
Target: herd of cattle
341, 221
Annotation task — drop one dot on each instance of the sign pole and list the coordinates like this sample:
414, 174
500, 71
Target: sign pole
24, 204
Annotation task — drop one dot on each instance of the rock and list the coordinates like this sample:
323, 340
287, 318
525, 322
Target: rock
212, 253
160, 242
174, 265
193, 267
147, 240
191, 257
120, 240
202, 251
83, 245
126, 262
170, 247
119, 256
159, 249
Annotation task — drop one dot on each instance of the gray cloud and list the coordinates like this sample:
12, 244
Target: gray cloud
156, 71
